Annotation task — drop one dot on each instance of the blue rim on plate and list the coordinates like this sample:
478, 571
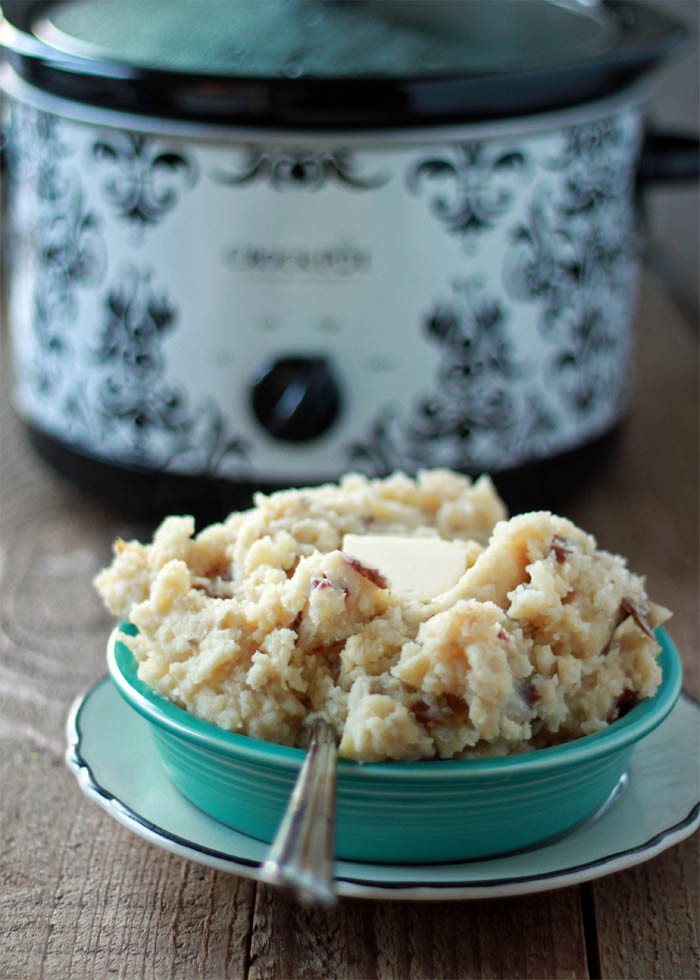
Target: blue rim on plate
183, 830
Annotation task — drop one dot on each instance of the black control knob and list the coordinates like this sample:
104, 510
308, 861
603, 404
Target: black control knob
295, 399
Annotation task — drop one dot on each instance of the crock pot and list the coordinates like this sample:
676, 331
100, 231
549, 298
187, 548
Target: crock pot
253, 245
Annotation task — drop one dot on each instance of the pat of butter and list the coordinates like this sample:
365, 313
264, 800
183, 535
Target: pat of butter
420, 568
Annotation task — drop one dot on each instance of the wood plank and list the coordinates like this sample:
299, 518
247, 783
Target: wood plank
120, 906
533, 936
649, 918
290, 940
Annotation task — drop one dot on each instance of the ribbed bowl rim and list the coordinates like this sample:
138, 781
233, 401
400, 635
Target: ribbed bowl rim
169, 717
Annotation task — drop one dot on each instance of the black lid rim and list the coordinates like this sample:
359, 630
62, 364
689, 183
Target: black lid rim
647, 40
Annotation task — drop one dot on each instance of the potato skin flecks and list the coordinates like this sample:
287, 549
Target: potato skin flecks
262, 622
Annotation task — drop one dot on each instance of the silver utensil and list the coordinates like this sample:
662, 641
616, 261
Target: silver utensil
301, 855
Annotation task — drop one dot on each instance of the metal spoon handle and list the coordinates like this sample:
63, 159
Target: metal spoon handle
301, 855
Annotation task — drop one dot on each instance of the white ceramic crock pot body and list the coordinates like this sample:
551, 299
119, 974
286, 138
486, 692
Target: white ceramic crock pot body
285, 307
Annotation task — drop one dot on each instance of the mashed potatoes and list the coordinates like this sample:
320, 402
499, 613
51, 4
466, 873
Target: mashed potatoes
262, 622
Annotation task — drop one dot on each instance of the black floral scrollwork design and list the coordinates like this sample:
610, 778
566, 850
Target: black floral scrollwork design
72, 254
582, 365
136, 320
145, 176
473, 401
595, 160
299, 169
472, 335
572, 257
35, 152
52, 230
471, 186
73, 251
149, 418
544, 263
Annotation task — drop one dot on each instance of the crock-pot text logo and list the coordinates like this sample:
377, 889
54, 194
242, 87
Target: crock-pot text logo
333, 261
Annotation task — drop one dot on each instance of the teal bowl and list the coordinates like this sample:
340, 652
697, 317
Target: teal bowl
404, 812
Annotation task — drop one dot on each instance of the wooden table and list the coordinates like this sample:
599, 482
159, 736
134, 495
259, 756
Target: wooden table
82, 896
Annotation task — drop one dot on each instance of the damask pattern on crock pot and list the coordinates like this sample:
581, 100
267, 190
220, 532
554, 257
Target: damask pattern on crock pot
488, 323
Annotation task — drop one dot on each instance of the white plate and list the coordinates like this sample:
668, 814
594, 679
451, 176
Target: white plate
111, 752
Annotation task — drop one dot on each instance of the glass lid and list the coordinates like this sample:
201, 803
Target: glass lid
333, 64
330, 38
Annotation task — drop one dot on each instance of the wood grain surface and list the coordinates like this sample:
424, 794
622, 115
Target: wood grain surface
80, 896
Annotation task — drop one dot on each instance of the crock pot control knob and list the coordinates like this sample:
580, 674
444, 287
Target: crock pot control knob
295, 399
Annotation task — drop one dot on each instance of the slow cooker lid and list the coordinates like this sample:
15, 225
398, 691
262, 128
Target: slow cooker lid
334, 63
278, 38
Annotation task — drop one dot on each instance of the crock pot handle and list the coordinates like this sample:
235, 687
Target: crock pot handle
669, 158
